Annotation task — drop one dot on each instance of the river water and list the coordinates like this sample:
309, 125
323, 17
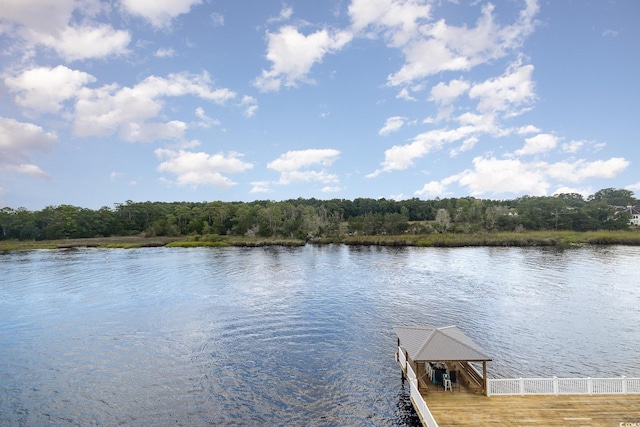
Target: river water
291, 336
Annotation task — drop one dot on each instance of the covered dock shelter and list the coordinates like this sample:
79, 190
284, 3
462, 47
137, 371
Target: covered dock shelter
427, 348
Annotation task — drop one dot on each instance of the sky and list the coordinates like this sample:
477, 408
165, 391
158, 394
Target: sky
102, 102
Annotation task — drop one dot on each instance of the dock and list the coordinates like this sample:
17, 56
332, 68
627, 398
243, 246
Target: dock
475, 400
466, 408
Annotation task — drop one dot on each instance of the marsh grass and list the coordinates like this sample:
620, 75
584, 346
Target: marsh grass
125, 242
197, 244
560, 239
264, 241
122, 246
613, 238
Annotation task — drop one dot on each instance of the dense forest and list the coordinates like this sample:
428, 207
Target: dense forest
312, 218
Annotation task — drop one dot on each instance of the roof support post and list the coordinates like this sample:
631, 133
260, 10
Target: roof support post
484, 377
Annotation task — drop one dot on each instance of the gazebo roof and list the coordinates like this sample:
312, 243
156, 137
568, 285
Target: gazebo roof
431, 344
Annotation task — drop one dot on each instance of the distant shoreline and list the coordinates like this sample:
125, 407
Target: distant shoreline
561, 239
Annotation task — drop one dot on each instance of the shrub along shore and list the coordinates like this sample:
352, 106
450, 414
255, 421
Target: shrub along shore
560, 239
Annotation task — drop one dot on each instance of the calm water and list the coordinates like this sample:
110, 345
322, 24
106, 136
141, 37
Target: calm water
300, 336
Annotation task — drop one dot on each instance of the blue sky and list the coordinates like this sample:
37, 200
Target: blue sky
200, 100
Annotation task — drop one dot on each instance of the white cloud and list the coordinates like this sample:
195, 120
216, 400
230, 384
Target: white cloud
437, 47
399, 21
500, 94
47, 23
41, 16
205, 121
165, 53
109, 109
293, 54
573, 146
173, 129
443, 93
179, 84
199, 168
491, 175
424, 58
467, 145
159, 12
293, 165
585, 192
404, 94
285, 14
527, 129
581, 170
295, 160
103, 111
26, 169
17, 141
392, 125
260, 187
17, 137
431, 190
503, 93
540, 143
441, 47
484, 122
44, 89
634, 187
75, 43
400, 157
250, 105
502, 176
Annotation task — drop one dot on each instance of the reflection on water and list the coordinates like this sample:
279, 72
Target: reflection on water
283, 336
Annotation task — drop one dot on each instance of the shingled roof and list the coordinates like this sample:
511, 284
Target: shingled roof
430, 344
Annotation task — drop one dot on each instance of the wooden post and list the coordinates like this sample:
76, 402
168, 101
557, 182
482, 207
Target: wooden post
484, 377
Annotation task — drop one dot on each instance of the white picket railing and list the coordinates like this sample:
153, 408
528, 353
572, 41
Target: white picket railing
527, 386
402, 358
418, 402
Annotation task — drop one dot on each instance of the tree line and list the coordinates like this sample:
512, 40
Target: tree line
312, 218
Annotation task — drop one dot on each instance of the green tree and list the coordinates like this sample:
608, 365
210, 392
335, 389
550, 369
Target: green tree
600, 215
244, 220
612, 196
571, 200
291, 220
443, 221
270, 220
7, 216
395, 223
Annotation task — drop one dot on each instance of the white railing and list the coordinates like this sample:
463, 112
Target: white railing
418, 401
526, 386
402, 358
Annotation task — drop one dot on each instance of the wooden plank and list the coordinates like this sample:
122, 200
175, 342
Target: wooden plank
470, 409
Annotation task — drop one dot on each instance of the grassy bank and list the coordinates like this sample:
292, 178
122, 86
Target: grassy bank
527, 238
561, 239
126, 242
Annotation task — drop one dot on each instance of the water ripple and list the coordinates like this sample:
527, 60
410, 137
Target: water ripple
283, 336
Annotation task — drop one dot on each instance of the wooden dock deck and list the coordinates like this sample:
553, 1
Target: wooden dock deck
465, 408
432, 354
468, 406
